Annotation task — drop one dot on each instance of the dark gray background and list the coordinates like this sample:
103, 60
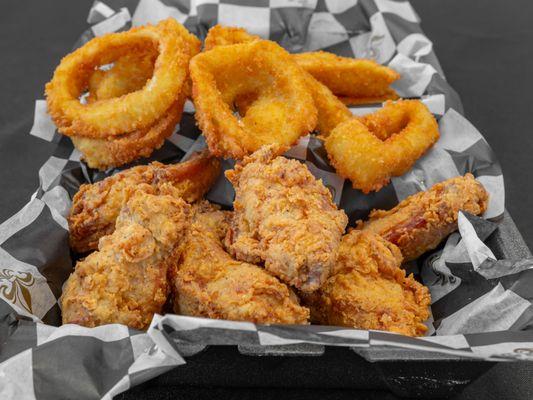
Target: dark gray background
485, 50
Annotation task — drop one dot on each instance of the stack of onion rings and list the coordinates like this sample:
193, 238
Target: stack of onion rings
280, 107
372, 149
122, 149
124, 118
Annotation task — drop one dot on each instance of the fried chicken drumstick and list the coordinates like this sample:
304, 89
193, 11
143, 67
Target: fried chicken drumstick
209, 283
420, 222
96, 206
285, 218
125, 281
369, 290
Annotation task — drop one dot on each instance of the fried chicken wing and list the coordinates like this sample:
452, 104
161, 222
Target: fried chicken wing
422, 221
369, 290
125, 281
96, 206
285, 218
209, 283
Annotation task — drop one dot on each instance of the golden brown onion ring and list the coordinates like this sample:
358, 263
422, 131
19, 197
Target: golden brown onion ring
372, 149
220, 35
344, 76
283, 109
128, 74
121, 149
356, 101
356, 81
331, 111
133, 111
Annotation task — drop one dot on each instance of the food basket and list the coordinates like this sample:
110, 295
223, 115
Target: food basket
480, 278
405, 372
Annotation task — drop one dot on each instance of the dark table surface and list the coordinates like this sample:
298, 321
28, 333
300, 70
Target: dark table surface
485, 50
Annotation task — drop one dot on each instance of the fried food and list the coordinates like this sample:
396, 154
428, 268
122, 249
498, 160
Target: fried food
282, 111
331, 111
131, 73
219, 35
346, 76
96, 206
112, 152
369, 290
137, 67
357, 101
209, 283
355, 81
284, 218
125, 281
420, 222
133, 111
128, 74
370, 150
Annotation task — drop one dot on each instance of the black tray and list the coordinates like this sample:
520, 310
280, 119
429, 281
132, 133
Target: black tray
406, 373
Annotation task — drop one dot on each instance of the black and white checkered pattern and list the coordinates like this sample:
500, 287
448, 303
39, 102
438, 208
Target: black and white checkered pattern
472, 292
72, 362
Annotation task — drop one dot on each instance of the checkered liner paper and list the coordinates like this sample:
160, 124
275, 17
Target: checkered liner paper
481, 306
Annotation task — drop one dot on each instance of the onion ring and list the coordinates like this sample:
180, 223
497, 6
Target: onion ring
355, 81
119, 150
133, 111
331, 111
356, 101
371, 149
128, 74
344, 76
220, 35
283, 109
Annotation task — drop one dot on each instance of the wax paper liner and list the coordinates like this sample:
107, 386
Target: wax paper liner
481, 306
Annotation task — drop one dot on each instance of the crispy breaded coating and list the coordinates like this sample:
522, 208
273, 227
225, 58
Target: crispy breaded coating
283, 111
371, 149
96, 206
369, 290
125, 281
389, 94
128, 74
420, 222
209, 283
356, 80
284, 218
347, 76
